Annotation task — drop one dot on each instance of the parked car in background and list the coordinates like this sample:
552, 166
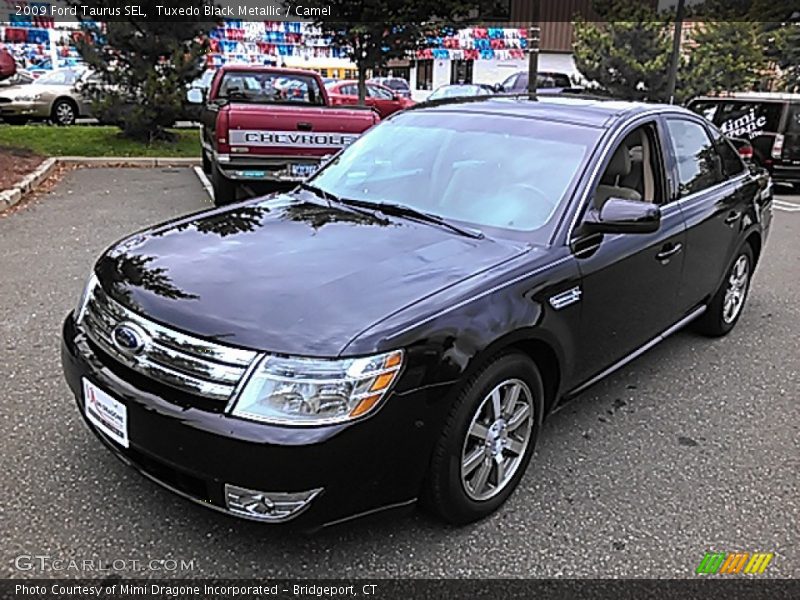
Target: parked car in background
54, 97
462, 90
8, 66
401, 325
770, 121
397, 84
380, 98
268, 127
547, 82
21, 77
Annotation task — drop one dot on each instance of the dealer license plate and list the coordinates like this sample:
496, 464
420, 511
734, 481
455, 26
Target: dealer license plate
303, 170
107, 414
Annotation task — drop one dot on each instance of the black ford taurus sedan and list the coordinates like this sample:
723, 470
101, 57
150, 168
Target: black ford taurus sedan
398, 327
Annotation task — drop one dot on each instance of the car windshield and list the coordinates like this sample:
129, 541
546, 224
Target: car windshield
61, 77
485, 170
456, 91
269, 88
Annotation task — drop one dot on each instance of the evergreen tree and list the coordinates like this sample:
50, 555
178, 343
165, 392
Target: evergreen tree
144, 67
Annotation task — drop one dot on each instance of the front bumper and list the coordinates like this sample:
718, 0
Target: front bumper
335, 472
24, 109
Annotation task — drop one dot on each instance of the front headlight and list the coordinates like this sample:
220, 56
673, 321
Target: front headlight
84, 300
307, 391
32, 98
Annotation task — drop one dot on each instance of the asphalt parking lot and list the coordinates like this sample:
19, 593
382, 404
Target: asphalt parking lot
693, 447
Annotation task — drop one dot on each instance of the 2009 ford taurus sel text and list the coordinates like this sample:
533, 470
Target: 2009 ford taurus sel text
399, 326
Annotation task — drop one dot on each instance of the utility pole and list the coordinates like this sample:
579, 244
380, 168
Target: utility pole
533, 51
676, 52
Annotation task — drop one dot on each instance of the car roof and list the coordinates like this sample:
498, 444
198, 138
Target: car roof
592, 112
261, 68
763, 96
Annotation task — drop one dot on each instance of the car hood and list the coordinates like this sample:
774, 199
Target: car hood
288, 274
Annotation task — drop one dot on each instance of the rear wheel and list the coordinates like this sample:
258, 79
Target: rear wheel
726, 306
224, 188
64, 113
487, 442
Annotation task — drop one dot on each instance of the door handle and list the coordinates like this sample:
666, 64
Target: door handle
732, 217
668, 250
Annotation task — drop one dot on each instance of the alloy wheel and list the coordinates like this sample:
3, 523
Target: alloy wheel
736, 289
496, 440
65, 114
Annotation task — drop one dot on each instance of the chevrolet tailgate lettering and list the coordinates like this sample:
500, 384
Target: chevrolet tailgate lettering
320, 139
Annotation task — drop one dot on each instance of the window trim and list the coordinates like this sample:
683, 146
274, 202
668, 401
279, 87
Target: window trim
703, 124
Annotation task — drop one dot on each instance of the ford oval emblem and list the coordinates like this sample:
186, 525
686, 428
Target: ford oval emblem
129, 338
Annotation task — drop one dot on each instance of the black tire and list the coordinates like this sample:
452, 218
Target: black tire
717, 321
64, 113
206, 163
16, 120
445, 491
224, 188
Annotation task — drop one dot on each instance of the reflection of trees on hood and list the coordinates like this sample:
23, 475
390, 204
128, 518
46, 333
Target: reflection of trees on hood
318, 216
239, 220
125, 271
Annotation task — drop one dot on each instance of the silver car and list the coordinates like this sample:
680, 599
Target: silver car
52, 97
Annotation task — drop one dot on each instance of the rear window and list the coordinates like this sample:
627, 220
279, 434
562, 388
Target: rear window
748, 119
269, 88
396, 84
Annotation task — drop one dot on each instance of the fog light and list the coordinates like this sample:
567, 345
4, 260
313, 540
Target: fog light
274, 507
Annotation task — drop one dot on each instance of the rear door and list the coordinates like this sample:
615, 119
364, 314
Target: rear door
713, 200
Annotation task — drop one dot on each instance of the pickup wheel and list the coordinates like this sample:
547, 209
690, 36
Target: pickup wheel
224, 188
727, 305
487, 441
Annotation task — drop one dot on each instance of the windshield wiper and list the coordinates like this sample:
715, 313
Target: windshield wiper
403, 210
328, 197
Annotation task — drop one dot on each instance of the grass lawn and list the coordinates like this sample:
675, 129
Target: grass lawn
91, 140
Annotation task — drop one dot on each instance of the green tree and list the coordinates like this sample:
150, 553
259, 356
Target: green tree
780, 37
144, 67
628, 53
721, 56
375, 31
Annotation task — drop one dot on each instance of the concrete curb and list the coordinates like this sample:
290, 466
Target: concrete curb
10, 197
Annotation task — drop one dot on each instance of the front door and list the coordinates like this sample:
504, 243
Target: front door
629, 281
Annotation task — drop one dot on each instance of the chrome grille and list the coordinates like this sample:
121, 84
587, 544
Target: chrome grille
181, 361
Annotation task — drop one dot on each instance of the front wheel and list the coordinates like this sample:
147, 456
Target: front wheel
726, 306
487, 441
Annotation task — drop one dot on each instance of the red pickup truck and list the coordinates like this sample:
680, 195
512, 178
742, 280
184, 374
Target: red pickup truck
267, 127
8, 66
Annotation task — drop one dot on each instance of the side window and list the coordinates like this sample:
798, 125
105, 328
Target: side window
508, 83
634, 170
732, 163
698, 162
376, 92
348, 90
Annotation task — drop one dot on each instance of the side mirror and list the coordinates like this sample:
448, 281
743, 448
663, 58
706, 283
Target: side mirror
619, 215
195, 96
498, 88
